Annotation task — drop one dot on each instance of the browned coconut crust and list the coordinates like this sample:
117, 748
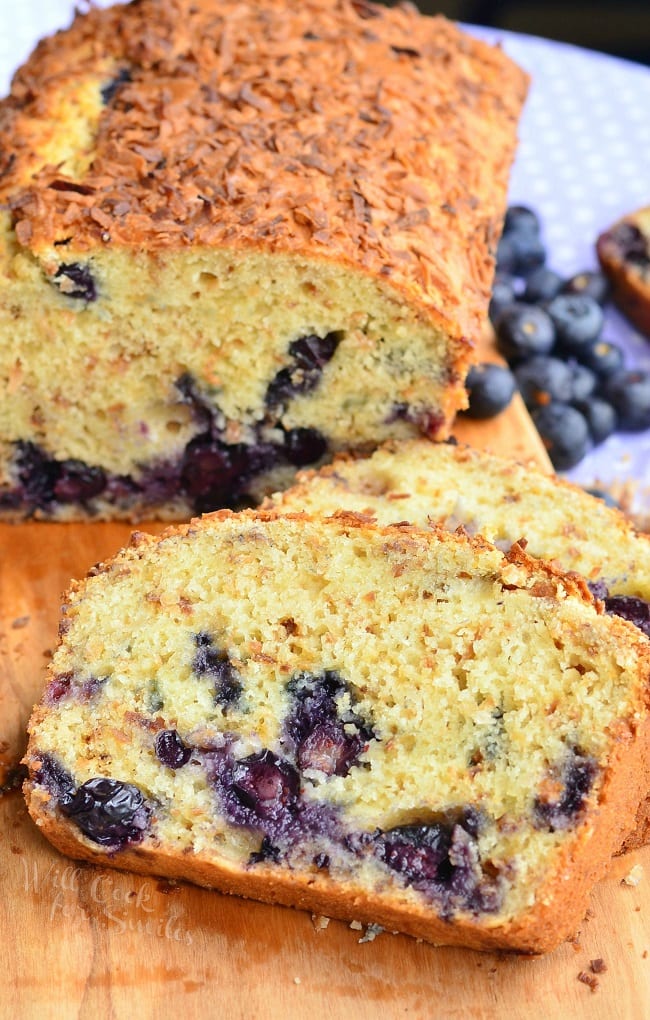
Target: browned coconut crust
630, 280
230, 134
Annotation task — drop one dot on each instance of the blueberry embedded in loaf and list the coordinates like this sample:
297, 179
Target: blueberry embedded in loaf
221, 263
624, 254
386, 724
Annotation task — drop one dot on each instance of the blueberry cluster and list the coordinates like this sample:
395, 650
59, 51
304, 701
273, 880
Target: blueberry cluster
575, 778
549, 329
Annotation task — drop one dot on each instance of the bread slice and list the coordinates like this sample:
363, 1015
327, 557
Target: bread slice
406, 728
455, 486
235, 238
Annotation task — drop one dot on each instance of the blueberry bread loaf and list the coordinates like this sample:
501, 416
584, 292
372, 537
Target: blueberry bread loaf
235, 238
624, 254
397, 726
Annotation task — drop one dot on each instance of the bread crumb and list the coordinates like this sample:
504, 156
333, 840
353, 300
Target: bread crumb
319, 921
634, 875
296, 981
372, 931
588, 979
597, 966
356, 925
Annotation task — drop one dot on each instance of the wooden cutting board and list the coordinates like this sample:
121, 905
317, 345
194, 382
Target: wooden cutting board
87, 942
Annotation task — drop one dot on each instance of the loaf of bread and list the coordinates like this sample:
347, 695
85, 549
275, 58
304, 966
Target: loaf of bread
235, 238
401, 727
624, 254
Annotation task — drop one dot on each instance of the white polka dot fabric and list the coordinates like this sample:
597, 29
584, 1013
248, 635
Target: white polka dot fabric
583, 161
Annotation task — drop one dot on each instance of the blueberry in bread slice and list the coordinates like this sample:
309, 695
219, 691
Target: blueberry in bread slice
624, 253
397, 726
221, 264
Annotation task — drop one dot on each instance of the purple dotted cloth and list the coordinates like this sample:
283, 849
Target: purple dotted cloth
583, 161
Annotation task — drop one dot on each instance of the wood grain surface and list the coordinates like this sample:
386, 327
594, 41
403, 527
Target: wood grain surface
87, 942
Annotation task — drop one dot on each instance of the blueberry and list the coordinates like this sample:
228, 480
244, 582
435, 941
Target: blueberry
564, 433
542, 284
109, 812
171, 750
578, 320
503, 295
266, 852
542, 380
600, 417
490, 389
78, 482
37, 474
441, 860
215, 663
212, 472
631, 608
590, 282
309, 355
629, 392
583, 382
110, 90
603, 358
519, 252
266, 784
304, 446
521, 218
322, 739
55, 778
523, 331
576, 775
76, 281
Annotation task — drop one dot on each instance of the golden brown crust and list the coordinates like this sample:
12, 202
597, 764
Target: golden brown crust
229, 133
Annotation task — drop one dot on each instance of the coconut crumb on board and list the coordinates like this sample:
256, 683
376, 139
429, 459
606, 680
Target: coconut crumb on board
320, 921
634, 875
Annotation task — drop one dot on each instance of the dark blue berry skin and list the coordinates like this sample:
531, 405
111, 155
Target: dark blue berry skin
542, 380
521, 218
578, 321
322, 740
603, 358
524, 330
519, 252
109, 812
564, 433
490, 389
304, 446
78, 482
171, 749
600, 417
503, 294
309, 355
440, 859
82, 281
542, 284
583, 382
213, 662
631, 608
629, 393
110, 90
631, 243
577, 775
266, 784
56, 780
590, 282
